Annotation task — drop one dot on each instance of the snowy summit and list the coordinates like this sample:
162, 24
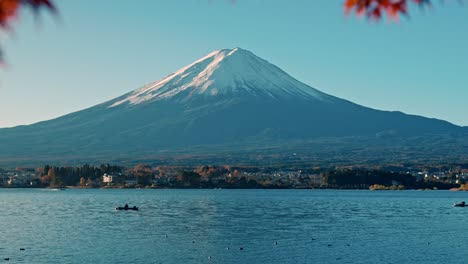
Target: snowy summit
223, 72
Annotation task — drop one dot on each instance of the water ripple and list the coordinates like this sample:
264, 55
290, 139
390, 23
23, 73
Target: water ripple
232, 226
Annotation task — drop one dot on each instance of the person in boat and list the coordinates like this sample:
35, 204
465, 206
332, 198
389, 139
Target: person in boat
126, 206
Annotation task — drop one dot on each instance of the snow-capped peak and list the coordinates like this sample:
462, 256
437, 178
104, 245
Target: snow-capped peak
223, 72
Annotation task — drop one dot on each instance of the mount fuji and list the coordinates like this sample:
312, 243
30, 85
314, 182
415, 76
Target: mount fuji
229, 101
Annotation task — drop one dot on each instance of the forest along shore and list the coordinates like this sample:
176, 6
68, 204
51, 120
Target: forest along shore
281, 177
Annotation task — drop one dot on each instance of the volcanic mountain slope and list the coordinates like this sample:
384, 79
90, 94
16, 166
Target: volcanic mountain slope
229, 97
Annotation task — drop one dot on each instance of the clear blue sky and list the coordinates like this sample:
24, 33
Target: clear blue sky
99, 50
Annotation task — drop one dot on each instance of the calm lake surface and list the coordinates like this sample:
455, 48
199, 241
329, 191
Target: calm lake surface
210, 226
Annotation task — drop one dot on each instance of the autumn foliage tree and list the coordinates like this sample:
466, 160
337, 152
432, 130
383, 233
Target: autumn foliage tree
9, 10
82, 182
375, 9
143, 174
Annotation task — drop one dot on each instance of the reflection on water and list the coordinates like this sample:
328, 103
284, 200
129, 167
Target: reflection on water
211, 226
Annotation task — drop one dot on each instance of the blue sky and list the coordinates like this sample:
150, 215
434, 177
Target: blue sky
98, 50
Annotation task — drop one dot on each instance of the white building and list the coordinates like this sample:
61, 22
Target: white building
107, 178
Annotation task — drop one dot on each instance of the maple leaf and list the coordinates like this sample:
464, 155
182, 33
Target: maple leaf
9, 10
375, 8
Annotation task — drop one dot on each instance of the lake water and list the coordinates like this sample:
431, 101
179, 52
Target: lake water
210, 226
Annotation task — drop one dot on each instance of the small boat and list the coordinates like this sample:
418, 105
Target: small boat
134, 208
462, 204
57, 189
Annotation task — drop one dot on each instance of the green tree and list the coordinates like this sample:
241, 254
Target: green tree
188, 179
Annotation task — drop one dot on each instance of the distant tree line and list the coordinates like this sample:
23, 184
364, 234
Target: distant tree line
350, 178
362, 179
82, 175
248, 177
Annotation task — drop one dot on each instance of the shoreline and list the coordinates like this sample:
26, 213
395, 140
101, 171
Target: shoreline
225, 188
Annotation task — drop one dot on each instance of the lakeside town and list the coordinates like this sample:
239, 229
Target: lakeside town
145, 176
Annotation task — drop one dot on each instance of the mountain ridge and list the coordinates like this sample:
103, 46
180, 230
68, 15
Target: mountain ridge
228, 97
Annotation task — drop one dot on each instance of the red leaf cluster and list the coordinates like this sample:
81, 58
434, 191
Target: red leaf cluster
9, 9
374, 9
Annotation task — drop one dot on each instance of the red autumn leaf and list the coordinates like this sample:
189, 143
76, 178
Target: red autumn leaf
376, 14
375, 8
9, 10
